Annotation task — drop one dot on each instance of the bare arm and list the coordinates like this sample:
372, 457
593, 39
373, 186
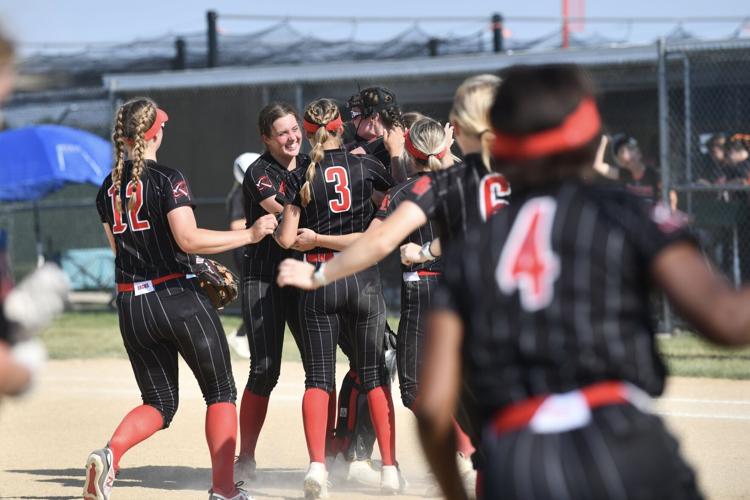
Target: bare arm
286, 234
439, 390
307, 239
110, 238
272, 206
602, 167
366, 251
720, 313
192, 239
237, 224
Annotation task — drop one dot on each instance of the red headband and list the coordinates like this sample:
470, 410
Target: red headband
331, 126
578, 128
419, 154
161, 118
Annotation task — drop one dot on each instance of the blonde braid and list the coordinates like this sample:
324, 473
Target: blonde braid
118, 137
144, 120
319, 112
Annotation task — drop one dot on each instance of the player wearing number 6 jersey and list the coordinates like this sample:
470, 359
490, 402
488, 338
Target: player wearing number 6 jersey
147, 212
334, 200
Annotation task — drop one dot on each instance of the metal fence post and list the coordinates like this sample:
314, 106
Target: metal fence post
213, 44
663, 97
688, 128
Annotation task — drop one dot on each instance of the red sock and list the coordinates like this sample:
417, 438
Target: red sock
221, 435
139, 424
252, 415
314, 418
331, 445
384, 420
463, 443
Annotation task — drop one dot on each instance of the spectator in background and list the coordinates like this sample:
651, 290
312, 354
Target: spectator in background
236, 213
736, 152
715, 160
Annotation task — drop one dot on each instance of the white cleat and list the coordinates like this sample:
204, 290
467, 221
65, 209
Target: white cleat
392, 482
316, 481
100, 475
244, 469
468, 474
364, 472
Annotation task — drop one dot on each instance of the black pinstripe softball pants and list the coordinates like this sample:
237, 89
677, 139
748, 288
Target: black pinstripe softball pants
415, 303
176, 318
623, 454
354, 307
266, 309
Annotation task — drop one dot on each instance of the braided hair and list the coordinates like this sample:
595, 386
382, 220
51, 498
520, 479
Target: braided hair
319, 112
132, 121
381, 101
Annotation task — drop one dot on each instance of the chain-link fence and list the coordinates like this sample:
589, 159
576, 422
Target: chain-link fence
671, 97
704, 113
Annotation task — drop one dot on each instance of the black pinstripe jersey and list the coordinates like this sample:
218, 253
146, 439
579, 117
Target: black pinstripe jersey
341, 191
146, 248
425, 233
266, 178
460, 196
375, 148
554, 293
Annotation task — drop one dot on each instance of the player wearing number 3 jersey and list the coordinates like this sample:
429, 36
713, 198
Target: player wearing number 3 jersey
147, 212
334, 200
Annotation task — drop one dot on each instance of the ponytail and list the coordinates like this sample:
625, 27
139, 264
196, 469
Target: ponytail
320, 114
471, 110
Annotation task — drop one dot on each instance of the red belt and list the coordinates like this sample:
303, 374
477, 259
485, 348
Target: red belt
518, 415
428, 273
129, 287
315, 258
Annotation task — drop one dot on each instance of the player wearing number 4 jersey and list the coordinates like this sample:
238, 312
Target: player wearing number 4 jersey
334, 201
147, 212
545, 311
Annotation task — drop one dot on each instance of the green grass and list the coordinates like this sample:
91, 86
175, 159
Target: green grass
690, 356
97, 335
86, 335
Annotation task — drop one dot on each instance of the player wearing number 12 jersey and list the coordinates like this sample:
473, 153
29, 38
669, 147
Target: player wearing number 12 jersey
147, 212
334, 200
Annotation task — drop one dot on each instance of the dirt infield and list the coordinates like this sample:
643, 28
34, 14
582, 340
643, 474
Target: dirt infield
45, 438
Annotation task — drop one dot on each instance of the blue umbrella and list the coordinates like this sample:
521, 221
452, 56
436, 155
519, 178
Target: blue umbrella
36, 161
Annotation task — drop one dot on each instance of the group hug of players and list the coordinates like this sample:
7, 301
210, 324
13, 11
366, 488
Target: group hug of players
525, 338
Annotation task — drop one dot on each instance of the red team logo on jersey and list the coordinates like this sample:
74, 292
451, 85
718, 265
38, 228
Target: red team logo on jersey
494, 190
422, 185
264, 183
528, 263
179, 190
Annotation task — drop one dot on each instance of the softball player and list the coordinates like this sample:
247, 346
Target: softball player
267, 308
335, 200
545, 310
147, 212
456, 198
426, 145
374, 111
